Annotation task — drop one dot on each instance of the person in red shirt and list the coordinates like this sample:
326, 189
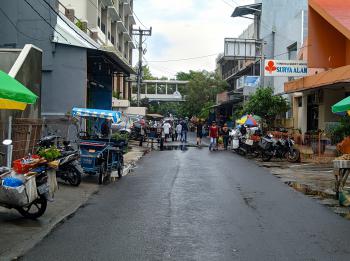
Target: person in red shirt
213, 134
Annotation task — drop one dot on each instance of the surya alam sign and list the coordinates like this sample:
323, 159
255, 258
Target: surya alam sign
285, 68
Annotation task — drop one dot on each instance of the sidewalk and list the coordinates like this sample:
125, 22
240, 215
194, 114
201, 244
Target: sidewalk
312, 179
18, 235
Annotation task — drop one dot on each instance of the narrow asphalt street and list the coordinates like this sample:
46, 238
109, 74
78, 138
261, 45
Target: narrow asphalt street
198, 205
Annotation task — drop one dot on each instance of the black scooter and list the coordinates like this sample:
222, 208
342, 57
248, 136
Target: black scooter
69, 169
279, 148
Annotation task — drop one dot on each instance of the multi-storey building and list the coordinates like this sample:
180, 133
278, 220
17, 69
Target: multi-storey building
87, 49
278, 31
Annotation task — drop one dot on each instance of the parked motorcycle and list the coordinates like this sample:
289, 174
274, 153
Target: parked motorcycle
279, 148
69, 169
242, 145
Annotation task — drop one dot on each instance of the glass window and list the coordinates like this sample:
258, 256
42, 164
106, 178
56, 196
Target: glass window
151, 89
161, 89
171, 88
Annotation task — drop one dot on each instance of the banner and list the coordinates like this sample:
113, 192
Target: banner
285, 68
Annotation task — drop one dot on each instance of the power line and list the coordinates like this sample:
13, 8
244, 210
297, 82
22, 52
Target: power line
45, 20
138, 19
184, 59
15, 26
69, 24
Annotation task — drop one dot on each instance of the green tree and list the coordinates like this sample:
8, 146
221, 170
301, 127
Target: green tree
201, 93
267, 105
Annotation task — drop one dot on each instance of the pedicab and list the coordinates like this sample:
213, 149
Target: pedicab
100, 154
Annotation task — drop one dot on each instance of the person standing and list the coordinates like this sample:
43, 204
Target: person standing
166, 129
199, 133
213, 134
225, 133
184, 131
179, 131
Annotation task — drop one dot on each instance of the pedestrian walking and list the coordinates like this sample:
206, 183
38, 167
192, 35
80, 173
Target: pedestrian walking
184, 131
199, 133
225, 133
166, 129
213, 134
179, 131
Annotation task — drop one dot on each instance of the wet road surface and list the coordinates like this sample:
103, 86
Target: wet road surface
198, 205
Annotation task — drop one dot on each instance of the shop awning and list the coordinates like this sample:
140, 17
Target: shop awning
327, 78
114, 116
14, 95
246, 10
342, 106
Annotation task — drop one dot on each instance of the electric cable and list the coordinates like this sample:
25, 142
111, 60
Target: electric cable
45, 20
184, 59
19, 31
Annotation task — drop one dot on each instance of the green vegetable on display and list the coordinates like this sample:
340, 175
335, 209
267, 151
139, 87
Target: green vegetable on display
49, 154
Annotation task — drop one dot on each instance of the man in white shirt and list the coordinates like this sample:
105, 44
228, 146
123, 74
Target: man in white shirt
166, 129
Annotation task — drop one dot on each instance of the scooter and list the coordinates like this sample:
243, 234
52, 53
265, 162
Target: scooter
69, 169
279, 148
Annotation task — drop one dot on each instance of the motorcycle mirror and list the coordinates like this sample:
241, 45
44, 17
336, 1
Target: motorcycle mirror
7, 142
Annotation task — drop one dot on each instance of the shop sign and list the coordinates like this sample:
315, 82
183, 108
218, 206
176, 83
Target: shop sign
285, 68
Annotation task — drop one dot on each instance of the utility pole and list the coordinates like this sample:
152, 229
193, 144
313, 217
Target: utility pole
141, 33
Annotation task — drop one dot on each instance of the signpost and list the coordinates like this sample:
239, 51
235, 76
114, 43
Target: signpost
285, 68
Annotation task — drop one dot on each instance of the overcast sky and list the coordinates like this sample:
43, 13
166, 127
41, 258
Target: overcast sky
187, 29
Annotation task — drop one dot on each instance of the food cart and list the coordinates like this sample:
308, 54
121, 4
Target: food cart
99, 154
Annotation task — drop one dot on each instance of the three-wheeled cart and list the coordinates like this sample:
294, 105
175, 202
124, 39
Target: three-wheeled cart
100, 155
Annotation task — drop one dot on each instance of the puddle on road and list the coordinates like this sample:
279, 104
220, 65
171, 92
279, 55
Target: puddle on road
177, 147
325, 198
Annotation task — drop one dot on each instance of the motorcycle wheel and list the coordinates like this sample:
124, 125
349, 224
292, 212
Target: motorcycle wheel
293, 156
74, 177
102, 174
266, 157
35, 209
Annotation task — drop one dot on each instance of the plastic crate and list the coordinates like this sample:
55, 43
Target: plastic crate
22, 168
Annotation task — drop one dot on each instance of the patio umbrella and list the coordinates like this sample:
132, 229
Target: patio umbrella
247, 120
342, 107
14, 95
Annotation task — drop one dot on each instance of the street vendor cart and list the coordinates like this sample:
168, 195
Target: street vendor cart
100, 154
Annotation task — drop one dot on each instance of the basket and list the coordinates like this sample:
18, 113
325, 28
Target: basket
22, 168
19, 196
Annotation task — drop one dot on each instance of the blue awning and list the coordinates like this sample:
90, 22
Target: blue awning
114, 116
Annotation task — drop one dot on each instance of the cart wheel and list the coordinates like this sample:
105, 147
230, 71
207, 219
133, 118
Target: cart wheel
102, 174
35, 209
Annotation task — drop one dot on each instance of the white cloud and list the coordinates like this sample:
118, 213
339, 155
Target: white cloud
172, 6
190, 30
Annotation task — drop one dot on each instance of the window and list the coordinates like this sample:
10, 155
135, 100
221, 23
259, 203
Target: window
299, 101
99, 21
161, 89
151, 88
292, 51
171, 88
109, 36
112, 40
